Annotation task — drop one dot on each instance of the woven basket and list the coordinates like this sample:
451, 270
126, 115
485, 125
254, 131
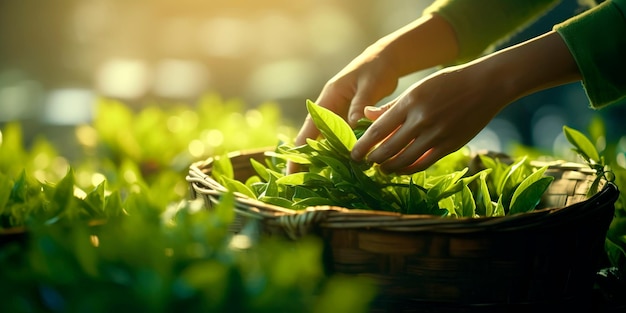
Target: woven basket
535, 260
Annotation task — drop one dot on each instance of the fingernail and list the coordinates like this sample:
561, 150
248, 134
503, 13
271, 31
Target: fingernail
373, 108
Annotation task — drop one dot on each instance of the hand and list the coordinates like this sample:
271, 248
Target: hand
374, 74
364, 82
431, 119
442, 112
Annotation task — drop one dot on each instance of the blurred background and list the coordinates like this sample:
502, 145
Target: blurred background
57, 57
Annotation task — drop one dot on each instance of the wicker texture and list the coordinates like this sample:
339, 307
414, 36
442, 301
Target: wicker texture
540, 257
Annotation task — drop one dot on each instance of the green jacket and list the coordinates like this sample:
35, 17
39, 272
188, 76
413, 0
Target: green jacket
596, 38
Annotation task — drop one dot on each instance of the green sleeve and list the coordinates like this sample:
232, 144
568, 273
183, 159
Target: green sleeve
597, 40
479, 25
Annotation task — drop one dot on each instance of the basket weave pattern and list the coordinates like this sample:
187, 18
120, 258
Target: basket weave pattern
548, 255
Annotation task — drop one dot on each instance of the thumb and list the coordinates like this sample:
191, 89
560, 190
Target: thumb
374, 112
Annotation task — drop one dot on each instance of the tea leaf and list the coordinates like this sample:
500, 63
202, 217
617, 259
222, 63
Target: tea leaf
301, 178
5, 191
260, 169
484, 207
237, 186
466, 206
338, 133
222, 167
528, 193
582, 145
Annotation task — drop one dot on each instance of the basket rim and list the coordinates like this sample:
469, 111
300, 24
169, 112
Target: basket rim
339, 217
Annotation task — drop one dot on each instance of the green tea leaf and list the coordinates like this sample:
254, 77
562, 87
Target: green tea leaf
224, 209
338, 133
301, 192
337, 166
237, 186
582, 145
95, 199
222, 167
260, 169
416, 199
499, 210
512, 176
278, 201
466, 206
528, 194
271, 189
64, 192
301, 178
292, 156
312, 201
5, 191
484, 207
113, 204
361, 126
20, 188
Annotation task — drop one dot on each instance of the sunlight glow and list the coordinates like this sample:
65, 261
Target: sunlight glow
225, 37
123, 78
180, 79
69, 106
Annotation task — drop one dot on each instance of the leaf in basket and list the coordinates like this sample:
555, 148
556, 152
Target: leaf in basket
271, 188
447, 186
361, 126
582, 145
260, 169
499, 209
234, 185
511, 176
301, 193
278, 201
337, 166
448, 205
252, 181
416, 199
302, 178
309, 202
222, 167
338, 133
292, 156
528, 194
484, 207
465, 204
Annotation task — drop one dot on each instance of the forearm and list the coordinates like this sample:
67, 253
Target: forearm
540, 63
428, 41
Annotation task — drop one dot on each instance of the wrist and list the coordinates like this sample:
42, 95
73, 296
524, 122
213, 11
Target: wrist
428, 41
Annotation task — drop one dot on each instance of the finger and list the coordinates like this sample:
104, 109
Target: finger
393, 146
374, 112
308, 130
367, 95
406, 159
429, 158
380, 129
